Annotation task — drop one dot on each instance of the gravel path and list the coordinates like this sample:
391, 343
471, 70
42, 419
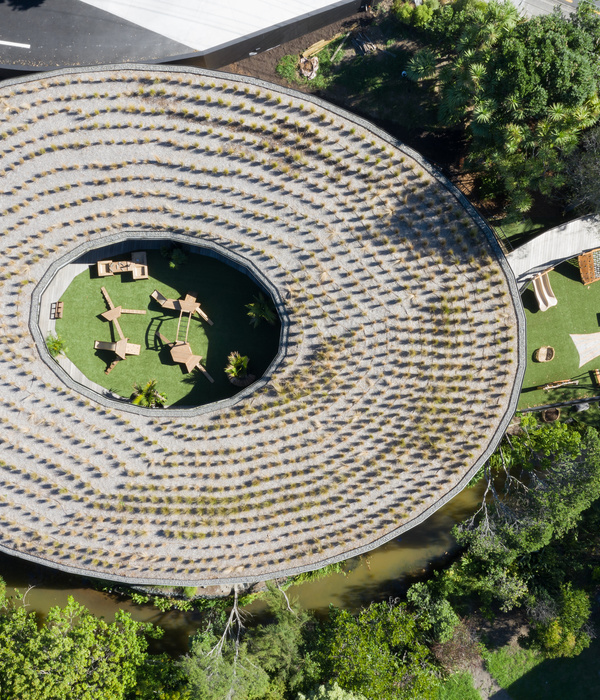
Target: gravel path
403, 359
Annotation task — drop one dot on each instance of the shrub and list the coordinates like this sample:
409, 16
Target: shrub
148, 395
403, 11
287, 68
261, 310
560, 629
55, 344
434, 613
237, 365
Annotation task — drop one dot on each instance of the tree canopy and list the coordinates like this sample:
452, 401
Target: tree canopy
378, 653
73, 654
525, 89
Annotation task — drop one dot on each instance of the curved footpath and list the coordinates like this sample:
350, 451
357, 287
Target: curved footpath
399, 370
553, 247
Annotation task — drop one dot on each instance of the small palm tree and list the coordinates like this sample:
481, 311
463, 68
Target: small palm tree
148, 395
55, 344
237, 365
422, 65
261, 310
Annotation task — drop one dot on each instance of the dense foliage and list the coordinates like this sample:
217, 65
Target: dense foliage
71, 655
525, 89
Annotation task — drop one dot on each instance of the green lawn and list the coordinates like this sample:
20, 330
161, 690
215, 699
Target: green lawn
222, 292
527, 676
510, 663
459, 687
576, 312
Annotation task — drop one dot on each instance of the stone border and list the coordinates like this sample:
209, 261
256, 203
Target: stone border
513, 291
109, 399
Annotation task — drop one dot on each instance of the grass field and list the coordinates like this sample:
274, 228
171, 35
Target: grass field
577, 311
458, 687
222, 292
527, 676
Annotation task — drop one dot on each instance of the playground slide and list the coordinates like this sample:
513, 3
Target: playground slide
543, 292
540, 293
551, 299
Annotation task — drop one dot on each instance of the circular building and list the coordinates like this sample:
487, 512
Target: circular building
400, 347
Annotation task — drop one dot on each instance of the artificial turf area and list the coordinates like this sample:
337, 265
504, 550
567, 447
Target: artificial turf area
222, 292
577, 311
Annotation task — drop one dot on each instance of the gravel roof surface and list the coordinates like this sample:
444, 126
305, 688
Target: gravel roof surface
402, 361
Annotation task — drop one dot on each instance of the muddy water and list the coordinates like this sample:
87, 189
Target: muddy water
386, 571
382, 573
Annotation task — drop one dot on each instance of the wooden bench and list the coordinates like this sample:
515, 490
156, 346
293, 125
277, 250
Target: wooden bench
596, 376
56, 309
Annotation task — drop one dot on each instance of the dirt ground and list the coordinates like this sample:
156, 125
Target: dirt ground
262, 66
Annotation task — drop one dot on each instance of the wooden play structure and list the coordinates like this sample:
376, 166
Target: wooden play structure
188, 305
122, 347
589, 266
138, 266
181, 352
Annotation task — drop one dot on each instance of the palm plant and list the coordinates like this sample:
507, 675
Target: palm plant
261, 310
148, 395
237, 365
55, 344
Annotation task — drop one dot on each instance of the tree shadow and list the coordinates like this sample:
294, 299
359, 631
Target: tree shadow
22, 5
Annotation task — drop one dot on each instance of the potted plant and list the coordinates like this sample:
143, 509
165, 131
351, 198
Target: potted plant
237, 369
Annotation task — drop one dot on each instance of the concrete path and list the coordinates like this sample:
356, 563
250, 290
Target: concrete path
554, 246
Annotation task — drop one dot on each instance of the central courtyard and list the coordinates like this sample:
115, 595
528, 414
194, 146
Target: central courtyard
223, 293
399, 357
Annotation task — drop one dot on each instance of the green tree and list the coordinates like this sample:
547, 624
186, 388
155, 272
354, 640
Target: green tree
583, 174
524, 89
72, 655
330, 692
378, 653
148, 395
433, 612
561, 625
218, 667
540, 508
276, 647
262, 662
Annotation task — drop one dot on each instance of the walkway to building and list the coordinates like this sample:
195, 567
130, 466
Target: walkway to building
554, 246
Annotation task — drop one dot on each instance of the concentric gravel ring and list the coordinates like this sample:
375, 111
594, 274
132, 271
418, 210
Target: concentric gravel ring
400, 370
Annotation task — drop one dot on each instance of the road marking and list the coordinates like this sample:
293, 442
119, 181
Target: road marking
14, 43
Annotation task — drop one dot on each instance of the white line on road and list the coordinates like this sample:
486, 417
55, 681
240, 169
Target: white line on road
14, 43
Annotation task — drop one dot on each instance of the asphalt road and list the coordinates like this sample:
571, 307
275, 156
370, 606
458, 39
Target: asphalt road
57, 33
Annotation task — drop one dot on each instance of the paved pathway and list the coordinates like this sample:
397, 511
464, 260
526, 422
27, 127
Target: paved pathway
554, 246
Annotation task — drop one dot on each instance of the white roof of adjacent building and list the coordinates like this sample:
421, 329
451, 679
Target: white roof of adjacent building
203, 24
